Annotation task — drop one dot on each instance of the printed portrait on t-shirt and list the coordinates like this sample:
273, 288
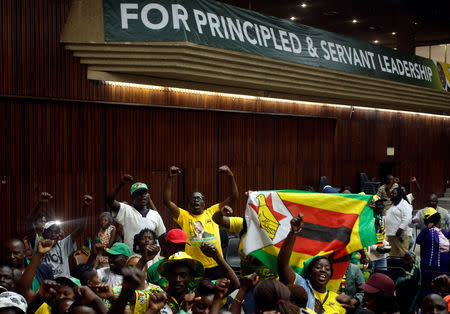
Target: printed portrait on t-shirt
198, 233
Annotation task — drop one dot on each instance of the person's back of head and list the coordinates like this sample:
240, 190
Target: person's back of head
299, 296
272, 295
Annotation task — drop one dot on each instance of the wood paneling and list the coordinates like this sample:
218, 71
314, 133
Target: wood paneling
65, 134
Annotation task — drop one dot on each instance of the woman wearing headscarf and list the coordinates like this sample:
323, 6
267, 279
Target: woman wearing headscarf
397, 220
434, 243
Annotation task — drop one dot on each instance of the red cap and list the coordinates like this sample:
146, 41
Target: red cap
176, 236
379, 282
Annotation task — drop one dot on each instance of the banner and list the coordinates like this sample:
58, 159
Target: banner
335, 225
215, 24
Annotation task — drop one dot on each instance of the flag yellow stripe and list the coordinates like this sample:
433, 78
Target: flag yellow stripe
336, 203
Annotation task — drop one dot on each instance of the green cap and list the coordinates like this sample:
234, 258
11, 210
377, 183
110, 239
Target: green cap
68, 281
119, 248
138, 186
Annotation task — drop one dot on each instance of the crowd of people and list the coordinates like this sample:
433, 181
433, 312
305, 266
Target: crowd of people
137, 266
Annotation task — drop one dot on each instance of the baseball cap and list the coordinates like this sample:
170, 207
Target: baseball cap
68, 281
50, 223
12, 299
379, 282
329, 189
183, 257
428, 212
119, 248
176, 236
138, 186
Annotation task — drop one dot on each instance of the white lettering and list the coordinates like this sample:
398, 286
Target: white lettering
214, 24
284, 41
323, 44
293, 38
278, 47
125, 16
246, 25
177, 17
200, 20
332, 52
235, 29
161, 9
265, 34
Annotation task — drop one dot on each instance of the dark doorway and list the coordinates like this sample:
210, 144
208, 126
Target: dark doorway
387, 168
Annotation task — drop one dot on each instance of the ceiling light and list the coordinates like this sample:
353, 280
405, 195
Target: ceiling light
292, 18
354, 21
376, 41
394, 33
303, 5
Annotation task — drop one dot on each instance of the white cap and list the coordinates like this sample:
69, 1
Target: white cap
51, 223
12, 299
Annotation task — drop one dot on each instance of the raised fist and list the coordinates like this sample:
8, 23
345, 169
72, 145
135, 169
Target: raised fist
173, 171
225, 169
127, 178
297, 223
87, 200
226, 210
45, 197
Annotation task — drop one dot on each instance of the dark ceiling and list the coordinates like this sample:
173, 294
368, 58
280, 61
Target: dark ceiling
418, 22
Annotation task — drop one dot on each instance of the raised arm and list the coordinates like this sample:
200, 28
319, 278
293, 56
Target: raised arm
167, 196
234, 194
111, 197
209, 249
87, 202
222, 217
26, 280
44, 197
285, 271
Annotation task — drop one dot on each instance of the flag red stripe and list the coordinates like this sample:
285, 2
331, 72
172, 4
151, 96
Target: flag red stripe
312, 247
316, 215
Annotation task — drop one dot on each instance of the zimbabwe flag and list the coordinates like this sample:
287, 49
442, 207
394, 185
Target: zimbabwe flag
335, 225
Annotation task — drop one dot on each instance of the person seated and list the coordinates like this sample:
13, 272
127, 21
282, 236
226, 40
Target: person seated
408, 287
58, 257
197, 221
12, 303
379, 295
351, 282
315, 277
15, 257
433, 303
106, 236
118, 256
7, 279
146, 239
434, 243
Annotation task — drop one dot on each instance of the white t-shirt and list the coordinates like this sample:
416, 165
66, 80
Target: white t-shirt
398, 216
58, 257
106, 275
133, 222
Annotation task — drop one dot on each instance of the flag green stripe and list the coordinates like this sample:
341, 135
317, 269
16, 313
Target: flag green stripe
366, 227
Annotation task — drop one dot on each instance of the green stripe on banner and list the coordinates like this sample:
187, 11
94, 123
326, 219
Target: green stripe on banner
366, 227
269, 260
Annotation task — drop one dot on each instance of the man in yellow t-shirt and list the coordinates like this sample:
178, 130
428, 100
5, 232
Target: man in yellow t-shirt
197, 221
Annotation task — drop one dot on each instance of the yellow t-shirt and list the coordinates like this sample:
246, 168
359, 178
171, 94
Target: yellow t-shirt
329, 302
44, 309
200, 228
236, 224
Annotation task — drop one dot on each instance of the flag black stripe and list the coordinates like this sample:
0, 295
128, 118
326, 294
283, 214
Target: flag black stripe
325, 234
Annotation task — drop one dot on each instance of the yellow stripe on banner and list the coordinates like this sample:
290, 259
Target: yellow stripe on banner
355, 240
336, 203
